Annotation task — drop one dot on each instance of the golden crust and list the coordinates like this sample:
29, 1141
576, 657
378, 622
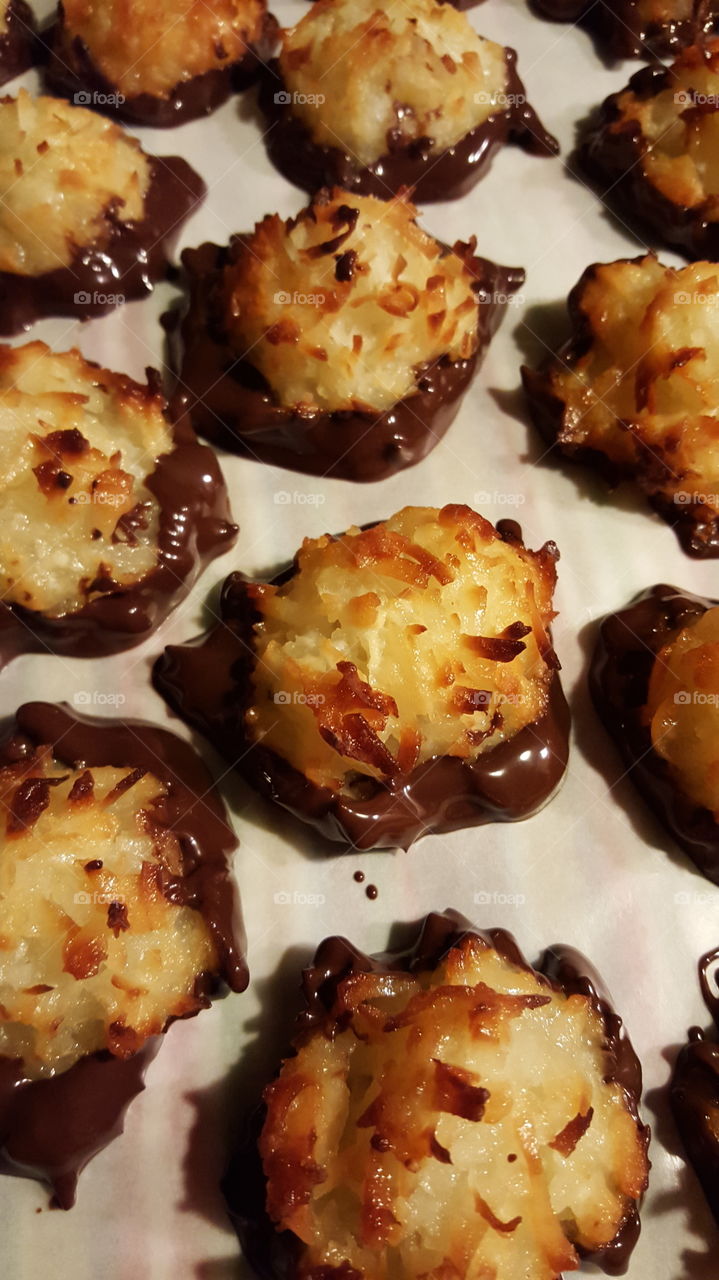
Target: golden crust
361, 77
639, 385
456, 1123
340, 306
683, 709
64, 174
334, 692
76, 446
149, 46
92, 954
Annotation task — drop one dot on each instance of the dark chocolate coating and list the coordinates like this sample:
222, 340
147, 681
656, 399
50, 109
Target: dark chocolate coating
70, 70
51, 1128
17, 44
209, 683
124, 263
627, 645
195, 527
694, 1095
273, 1254
433, 175
612, 160
695, 525
231, 404
620, 32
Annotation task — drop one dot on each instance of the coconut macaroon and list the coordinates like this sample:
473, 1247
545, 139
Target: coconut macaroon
694, 1091
17, 38
85, 214
652, 151
118, 916
375, 99
633, 390
383, 678
635, 28
103, 524
453, 1114
152, 64
339, 342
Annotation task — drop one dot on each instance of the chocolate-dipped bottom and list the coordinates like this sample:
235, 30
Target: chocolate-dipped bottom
114, 269
51, 1128
70, 70
209, 683
612, 160
273, 1254
620, 31
694, 1094
231, 404
195, 526
627, 646
17, 43
433, 175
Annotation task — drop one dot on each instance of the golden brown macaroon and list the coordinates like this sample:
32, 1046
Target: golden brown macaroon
463, 1115
636, 28
652, 151
633, 390
157, 63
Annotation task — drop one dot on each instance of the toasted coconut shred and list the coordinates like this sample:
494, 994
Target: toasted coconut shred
92, 954
65, 173
451, 1124
425, 635
76, 447
339, 307
369, 80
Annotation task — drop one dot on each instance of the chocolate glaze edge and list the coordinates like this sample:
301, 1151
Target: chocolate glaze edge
694, 1094
619, 33
433, 175
274, 1254
51, 1128
208, 683
17, 44
620, 669
230, 405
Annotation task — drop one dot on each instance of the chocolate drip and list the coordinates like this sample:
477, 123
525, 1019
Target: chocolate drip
620, 31
619, 679
230, 404
195, 526
17, 43
70, 70
50, 1128
694, 1094
124, 263
209, 683
276, 1255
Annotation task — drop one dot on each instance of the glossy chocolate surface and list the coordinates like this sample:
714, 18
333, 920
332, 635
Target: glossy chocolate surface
17, 43
274, 1254
51, 1128
433, 175
195, 526
695, 525
231, 404
612, 160
694, 1094
123, 265
209, 683
620, 31
619, 678
70, 70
